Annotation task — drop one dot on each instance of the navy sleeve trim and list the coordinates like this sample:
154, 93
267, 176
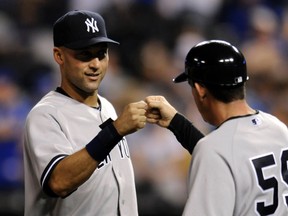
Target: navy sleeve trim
47, 173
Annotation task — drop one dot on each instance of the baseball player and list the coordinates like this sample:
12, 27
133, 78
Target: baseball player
240, 168
76, 158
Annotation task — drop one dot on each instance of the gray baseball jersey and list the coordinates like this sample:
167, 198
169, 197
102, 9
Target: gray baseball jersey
240, 169
59, 126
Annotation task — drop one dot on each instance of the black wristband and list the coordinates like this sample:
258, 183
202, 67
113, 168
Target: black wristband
104, 142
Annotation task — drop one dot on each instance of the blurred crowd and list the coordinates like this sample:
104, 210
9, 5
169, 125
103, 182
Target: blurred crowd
154, 36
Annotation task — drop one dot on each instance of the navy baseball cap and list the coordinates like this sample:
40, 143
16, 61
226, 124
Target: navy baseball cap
80, 29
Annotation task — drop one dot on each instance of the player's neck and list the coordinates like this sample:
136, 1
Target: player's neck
232, 110
88, 99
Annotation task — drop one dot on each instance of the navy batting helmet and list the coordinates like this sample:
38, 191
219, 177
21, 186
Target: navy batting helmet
214, 62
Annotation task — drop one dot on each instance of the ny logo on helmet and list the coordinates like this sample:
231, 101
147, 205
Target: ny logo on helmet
91, 24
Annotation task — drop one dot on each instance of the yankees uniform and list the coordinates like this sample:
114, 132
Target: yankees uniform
55, 129
241, 169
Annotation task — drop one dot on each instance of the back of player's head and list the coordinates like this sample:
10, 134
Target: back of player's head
214, 63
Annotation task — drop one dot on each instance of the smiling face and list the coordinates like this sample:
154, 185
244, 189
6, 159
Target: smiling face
82, 70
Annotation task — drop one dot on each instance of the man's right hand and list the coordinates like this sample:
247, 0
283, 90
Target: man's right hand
131, 119
160, 111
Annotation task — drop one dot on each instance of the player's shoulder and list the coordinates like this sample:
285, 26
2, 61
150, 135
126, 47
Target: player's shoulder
106, 103
268, 116
271, 120
50, 103
228, 130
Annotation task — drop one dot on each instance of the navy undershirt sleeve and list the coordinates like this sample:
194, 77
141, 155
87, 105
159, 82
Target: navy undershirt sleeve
186, 133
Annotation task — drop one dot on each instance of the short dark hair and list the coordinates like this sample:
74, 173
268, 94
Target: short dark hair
227, 95
224, 95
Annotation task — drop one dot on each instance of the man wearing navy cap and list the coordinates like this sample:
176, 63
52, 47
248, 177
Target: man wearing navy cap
76, 157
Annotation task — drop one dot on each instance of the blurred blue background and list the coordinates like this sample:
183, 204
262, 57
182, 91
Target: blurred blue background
155, 36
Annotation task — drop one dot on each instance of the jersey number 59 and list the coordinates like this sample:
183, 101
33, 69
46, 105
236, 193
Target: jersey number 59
264, 162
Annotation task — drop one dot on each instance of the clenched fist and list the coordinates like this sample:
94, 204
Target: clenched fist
160, 111
132, 118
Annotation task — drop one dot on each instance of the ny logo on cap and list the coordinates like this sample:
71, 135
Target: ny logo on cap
91, 24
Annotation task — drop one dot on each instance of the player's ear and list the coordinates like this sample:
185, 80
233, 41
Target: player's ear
201, 90
58, 55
